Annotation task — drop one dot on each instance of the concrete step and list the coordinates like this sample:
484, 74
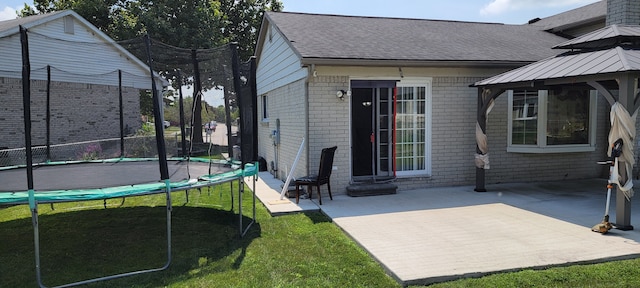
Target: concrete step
371, 189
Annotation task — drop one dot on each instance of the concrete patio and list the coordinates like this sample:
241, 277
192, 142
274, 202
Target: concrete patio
438, 234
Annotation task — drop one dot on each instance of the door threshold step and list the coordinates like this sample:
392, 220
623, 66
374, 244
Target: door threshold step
371, 189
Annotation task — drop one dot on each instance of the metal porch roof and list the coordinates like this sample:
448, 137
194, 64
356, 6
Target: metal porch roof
609, 36
571, 64
613, 49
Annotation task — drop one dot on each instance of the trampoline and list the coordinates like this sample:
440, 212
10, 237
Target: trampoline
75, 169
111, 178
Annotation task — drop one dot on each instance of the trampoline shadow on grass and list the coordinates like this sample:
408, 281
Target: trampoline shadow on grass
84, 244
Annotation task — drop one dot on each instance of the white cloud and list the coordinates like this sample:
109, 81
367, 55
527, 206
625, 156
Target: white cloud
497, 7
7, 13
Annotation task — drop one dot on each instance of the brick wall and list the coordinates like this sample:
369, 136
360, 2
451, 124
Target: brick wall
328, 127
453, 136
287, 104
453, 143
79, 112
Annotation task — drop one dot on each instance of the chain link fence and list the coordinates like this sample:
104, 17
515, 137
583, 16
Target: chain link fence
134, 147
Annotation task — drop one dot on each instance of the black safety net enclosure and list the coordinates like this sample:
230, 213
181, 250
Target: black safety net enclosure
204, 70
83, 119
95, 113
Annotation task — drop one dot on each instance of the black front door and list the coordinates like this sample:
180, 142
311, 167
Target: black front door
371, 129
362, 130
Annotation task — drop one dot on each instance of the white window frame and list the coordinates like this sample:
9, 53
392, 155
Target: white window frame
542, 146
427, 84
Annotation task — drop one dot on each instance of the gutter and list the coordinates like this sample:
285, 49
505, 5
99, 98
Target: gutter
411, 63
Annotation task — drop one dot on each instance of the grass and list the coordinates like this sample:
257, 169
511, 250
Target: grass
82, 240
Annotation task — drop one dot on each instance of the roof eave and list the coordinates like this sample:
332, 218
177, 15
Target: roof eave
545, 82
412, 63
587, 21
97, 32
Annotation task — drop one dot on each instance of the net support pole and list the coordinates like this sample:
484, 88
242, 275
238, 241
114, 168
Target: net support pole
48, 121
227, 117
197, 100
26, 104
157, 115
181, 106
121, 116
254, 109
235, 66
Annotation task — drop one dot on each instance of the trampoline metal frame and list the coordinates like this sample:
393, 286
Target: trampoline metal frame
36, 233
249, 169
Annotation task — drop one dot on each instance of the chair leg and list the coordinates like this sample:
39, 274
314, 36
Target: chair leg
297, 193
319, 195
310, 188
329, 188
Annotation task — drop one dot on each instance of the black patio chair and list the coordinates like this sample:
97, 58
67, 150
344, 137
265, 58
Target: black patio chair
323, 177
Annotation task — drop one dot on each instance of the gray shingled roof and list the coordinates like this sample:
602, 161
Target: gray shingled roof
335, 37
590, 13
588, 62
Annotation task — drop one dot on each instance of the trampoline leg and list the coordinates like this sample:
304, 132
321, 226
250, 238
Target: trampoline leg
240, 192
231, 189
244, 230
36, 243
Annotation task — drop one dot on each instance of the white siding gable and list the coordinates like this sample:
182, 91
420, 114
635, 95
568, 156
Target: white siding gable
278, 64
84, 56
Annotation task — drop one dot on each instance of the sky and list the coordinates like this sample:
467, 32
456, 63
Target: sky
500, 11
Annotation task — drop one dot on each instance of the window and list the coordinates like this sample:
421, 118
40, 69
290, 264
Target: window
552, 121
265, 113
413, 128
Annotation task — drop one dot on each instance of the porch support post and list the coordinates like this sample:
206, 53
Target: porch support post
486, 99
480, 177
626, 97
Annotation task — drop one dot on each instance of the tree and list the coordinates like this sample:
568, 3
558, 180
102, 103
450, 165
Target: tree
98, 12
188, 24
242, 20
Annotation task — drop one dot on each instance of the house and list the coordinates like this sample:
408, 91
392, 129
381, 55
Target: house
395, 96
575, 22
85, 68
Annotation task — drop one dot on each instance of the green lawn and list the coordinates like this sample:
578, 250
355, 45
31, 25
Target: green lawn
82, 240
